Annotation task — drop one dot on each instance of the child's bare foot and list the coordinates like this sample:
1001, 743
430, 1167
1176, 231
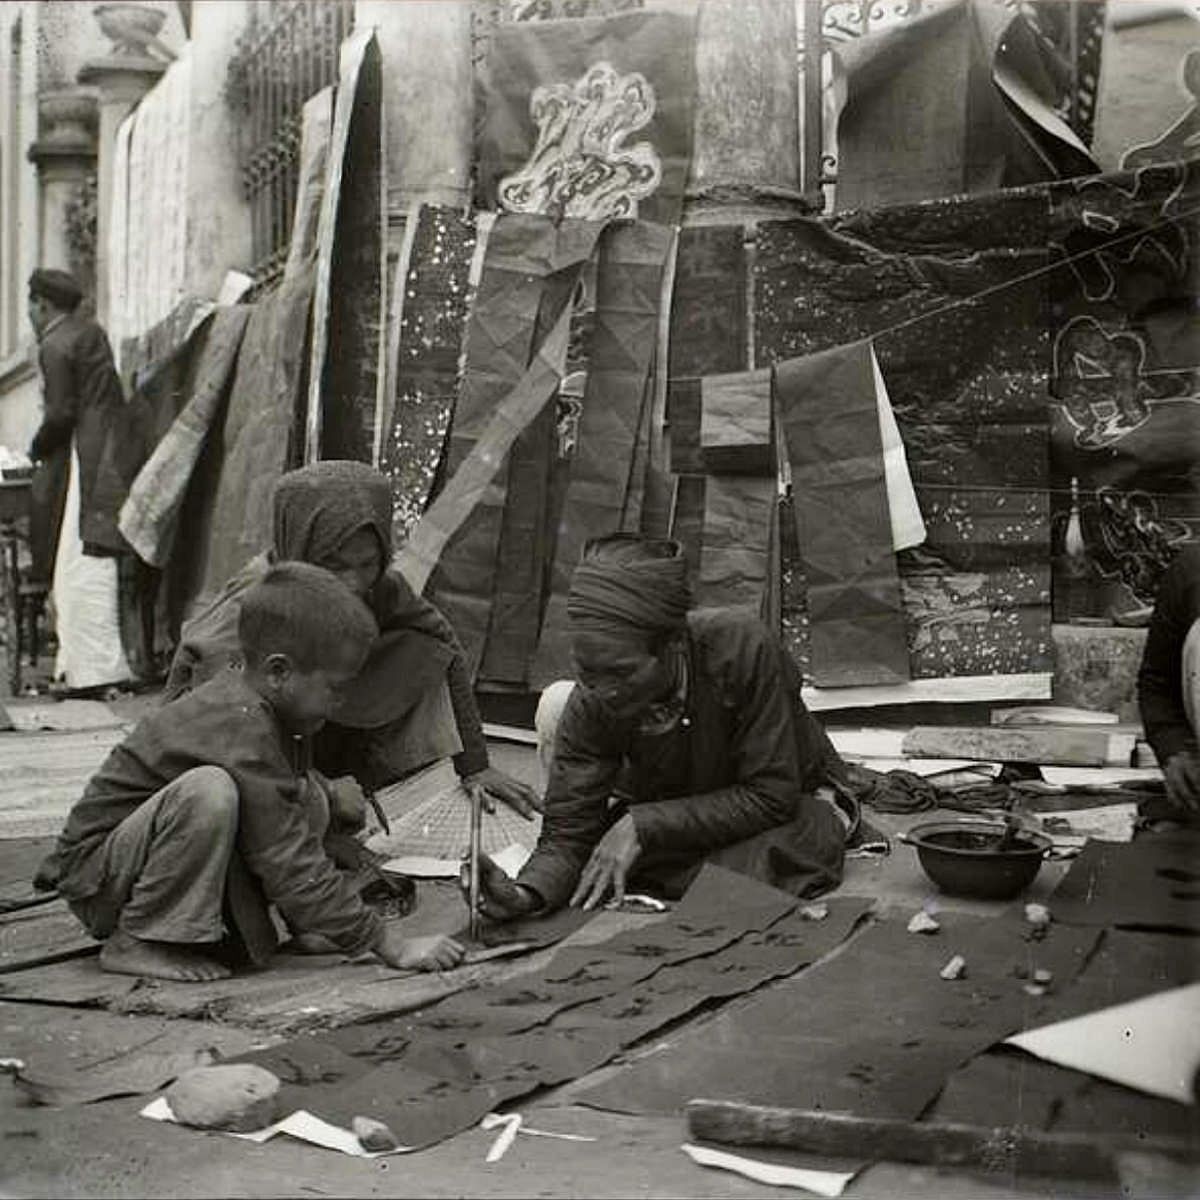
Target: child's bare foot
124, 954
309, 943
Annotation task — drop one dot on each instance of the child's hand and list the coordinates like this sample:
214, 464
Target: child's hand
347, 803
417, 954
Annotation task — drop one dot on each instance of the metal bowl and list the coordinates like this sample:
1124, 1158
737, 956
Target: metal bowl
962, 858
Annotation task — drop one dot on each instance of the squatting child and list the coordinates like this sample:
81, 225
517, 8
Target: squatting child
203, 818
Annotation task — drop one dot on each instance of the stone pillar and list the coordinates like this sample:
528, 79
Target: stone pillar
746, 147
122, 78
428, 97
64, 154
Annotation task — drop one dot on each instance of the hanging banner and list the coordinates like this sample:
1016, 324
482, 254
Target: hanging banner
830, 420
588, 118
345, 388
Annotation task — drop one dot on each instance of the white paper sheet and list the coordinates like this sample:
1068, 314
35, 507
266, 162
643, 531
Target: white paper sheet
1032, 685
1099, 776
908, 526
820, 1183
1151, 1044
300, 1124
1112, 823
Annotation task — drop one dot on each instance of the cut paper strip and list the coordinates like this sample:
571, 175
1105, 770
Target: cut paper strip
735, 542
820, 1183
736, 426
1151, 1044
466, 488
904, 512
301, 1125
830, 417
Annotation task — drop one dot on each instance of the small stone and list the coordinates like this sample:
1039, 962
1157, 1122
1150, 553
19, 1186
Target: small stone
1033, 989
815, 912
238, 1097
1042, 976
374, 1135
1037, 914
922, 922
956, 968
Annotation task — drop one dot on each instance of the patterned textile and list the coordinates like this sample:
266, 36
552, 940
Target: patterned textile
1125, 384
968, 389
432, 328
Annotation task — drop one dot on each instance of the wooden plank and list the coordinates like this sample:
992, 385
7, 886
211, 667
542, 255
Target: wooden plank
1005, 1151
1076, 746
49, 933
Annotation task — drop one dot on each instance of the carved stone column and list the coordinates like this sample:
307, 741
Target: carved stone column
64, 154
121, 78
746, 147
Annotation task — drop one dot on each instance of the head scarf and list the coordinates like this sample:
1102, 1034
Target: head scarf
319, 507
59, 287
625, 582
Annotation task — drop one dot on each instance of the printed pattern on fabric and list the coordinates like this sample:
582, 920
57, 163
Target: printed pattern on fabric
969, 392
431, 336
1126, 383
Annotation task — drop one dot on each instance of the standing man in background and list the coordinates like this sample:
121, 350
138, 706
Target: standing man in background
85, 461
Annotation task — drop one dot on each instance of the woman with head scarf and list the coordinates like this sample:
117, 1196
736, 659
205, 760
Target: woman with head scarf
684, 741
412, 703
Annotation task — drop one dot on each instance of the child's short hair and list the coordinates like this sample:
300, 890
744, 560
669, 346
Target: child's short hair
304, 612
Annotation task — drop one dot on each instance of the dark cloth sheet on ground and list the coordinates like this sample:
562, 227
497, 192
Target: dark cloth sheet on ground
969, 392
873, 1031
434, 1074
1009, 1087
1152, 882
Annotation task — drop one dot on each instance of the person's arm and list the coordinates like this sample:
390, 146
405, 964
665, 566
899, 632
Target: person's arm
587, 762
1160, 681
399, 606
281, 847
765, 767
59, 401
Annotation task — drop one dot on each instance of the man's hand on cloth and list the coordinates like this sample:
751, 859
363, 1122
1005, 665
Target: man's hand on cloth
495, 785
1183, 780
500, 897
610, 863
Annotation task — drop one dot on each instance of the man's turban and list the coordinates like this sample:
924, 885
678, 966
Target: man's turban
59, 287
628, 582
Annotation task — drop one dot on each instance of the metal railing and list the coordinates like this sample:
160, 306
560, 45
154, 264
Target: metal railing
290, 54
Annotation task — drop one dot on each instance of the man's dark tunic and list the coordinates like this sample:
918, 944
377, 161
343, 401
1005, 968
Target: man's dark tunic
82, 398
731, 783
1160, 680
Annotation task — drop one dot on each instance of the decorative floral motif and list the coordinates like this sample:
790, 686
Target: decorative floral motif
580, 167
942, 607
1099, 379
1137, 542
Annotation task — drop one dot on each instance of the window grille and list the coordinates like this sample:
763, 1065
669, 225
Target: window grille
290, 54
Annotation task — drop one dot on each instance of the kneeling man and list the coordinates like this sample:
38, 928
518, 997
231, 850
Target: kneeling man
684, 741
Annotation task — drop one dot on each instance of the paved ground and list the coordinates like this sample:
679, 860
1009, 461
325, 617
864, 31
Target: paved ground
106, 1149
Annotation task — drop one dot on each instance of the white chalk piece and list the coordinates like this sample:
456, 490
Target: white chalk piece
956, 968
1151, 1044
820, 1183
922, 922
